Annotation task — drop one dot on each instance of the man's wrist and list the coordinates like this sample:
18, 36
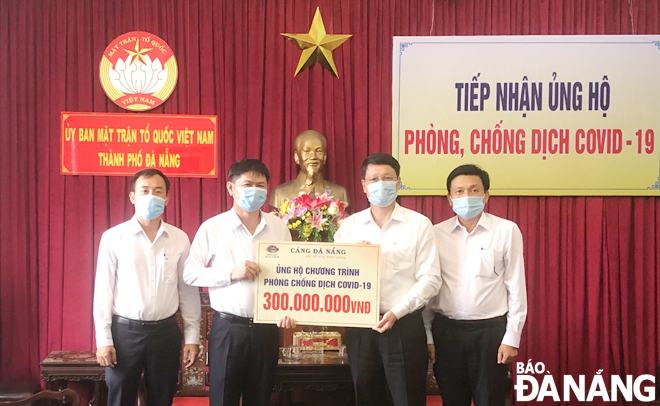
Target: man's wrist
511, 339
105, 342
399, 311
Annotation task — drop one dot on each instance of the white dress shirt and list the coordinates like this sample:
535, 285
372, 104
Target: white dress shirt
483, 273
141, 280
409, 267
222, 243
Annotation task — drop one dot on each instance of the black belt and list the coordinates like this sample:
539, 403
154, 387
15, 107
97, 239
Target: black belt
144, 325
495, 321
232, 318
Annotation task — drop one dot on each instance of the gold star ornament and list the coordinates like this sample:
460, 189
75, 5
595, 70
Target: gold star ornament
139, 53
317, 45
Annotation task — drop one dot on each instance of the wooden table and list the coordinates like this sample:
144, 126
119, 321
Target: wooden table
61, 367
326, 372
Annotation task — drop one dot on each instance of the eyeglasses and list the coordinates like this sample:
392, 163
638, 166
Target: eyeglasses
386, 178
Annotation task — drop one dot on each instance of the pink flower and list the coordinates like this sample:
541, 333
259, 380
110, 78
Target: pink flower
316, 221
337, 209
299, 211
324, 197
302, 201
316, 204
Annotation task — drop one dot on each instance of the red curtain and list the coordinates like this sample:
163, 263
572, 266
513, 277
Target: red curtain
592, 267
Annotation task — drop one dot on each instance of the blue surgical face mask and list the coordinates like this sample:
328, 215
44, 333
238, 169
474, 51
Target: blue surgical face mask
382, 193
251, 198
468, 207
149, 206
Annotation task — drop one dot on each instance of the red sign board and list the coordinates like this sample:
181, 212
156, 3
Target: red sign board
123, 144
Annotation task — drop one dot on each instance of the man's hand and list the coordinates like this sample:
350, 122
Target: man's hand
286, 322
385, 323
106, 356
190, 353
247, 270
431, 353
506, 354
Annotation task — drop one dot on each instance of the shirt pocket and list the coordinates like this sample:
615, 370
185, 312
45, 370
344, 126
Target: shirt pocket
125, 260
403, 254
168, 268
490, 264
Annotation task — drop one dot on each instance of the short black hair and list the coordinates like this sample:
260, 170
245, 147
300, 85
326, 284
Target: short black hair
238, 168
147, 173
469, 170
380, 158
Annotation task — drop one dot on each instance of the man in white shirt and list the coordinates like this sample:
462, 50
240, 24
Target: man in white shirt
139, 287
389, 362
242, 355
482, 305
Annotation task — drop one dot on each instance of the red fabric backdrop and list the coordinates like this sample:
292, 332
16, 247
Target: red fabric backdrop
592, 267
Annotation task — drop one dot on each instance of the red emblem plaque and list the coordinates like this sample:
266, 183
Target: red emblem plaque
138, 71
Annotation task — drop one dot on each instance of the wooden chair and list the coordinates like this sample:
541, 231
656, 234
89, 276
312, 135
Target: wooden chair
17, 390
46, 394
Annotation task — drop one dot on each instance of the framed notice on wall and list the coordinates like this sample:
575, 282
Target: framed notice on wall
544, 115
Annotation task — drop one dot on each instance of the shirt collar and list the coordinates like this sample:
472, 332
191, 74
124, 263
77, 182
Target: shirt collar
234, 221
485, 221
397, 214
135, 227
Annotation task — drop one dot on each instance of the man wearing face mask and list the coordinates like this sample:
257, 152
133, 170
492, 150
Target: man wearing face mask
242, 355
139, 287
389, 362
478, 316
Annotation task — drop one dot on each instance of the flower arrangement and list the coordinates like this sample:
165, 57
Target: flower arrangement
313, 215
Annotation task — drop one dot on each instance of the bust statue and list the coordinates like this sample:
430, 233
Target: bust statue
310, 154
